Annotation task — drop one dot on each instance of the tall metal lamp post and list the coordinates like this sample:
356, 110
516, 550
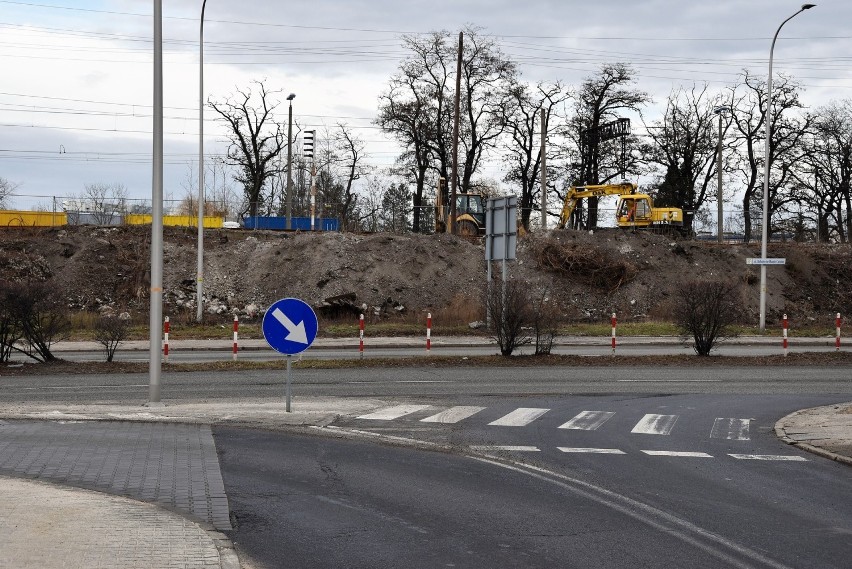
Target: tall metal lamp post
290, 98
155, 319
199, 275
765, 216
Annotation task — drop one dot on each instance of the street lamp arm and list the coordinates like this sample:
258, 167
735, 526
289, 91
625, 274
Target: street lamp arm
766, 160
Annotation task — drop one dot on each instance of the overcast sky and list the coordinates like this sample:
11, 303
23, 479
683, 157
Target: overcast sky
77, 76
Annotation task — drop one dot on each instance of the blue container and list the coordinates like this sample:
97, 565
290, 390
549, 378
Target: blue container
297, 223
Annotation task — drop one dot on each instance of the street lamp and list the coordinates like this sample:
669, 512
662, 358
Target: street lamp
720, 215
290, 98
155, 316
199, 275
765, 216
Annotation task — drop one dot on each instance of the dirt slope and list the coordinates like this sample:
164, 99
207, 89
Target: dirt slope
635, 275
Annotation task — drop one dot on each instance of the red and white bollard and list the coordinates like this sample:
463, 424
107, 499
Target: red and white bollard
236, 336
428, 331
613, 333
361, 337
837, 336
784, 323
166, 340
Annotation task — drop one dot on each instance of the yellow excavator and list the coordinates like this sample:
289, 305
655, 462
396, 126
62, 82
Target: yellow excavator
634, 210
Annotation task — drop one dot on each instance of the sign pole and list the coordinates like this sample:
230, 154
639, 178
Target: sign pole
289, 327
289, 363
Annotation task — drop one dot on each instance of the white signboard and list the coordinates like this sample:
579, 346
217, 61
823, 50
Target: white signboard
767, 261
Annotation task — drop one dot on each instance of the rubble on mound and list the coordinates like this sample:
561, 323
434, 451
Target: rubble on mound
585, 276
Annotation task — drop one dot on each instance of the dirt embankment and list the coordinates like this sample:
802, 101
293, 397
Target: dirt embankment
584, 276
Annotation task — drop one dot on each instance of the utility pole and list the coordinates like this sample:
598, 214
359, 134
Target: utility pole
543, 172
454, 181
720, 215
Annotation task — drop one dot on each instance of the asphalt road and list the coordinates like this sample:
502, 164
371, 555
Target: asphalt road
431, 382
661, 467
329, 502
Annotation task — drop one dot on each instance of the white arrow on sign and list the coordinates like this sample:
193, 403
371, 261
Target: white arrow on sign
295, 332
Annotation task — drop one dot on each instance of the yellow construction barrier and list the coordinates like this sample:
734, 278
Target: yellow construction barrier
174, 220
9, 218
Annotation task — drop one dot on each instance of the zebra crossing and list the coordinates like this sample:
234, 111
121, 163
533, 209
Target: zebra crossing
647, 426
650, 424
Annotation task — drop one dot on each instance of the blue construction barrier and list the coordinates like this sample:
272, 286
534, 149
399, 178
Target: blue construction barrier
297, 223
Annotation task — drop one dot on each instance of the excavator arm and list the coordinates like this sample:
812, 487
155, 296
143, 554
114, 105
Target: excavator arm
576, 193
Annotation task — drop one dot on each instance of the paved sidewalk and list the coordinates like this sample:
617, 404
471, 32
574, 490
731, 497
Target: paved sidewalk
826, 431
47, 527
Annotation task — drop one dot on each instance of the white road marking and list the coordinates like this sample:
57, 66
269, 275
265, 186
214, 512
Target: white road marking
677, 453
769, 457
669, 381
592, 450
453, 415
655, 425
519, 417
731, 429
588, 420
488, 448
394, 412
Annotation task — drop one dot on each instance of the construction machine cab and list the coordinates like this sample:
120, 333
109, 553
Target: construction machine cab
470, 214
633, 208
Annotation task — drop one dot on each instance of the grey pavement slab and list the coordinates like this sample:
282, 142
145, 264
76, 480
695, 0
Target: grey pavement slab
172, 465
47, 527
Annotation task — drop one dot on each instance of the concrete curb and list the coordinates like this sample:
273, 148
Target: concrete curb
781, 432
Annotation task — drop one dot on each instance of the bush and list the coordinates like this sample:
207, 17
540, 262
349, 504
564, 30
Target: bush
34, 315
705, 310
510, 314
544, 323
110, 331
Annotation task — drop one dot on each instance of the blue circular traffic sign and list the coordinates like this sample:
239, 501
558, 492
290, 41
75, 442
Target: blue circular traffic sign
290, 326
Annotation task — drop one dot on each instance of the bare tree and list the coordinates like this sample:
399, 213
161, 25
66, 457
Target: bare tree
785, 148
103, 202
256, 139
350, 156
600, 99
407, 111
523, 156
829, 181
7, 189
683, 145
422, 93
